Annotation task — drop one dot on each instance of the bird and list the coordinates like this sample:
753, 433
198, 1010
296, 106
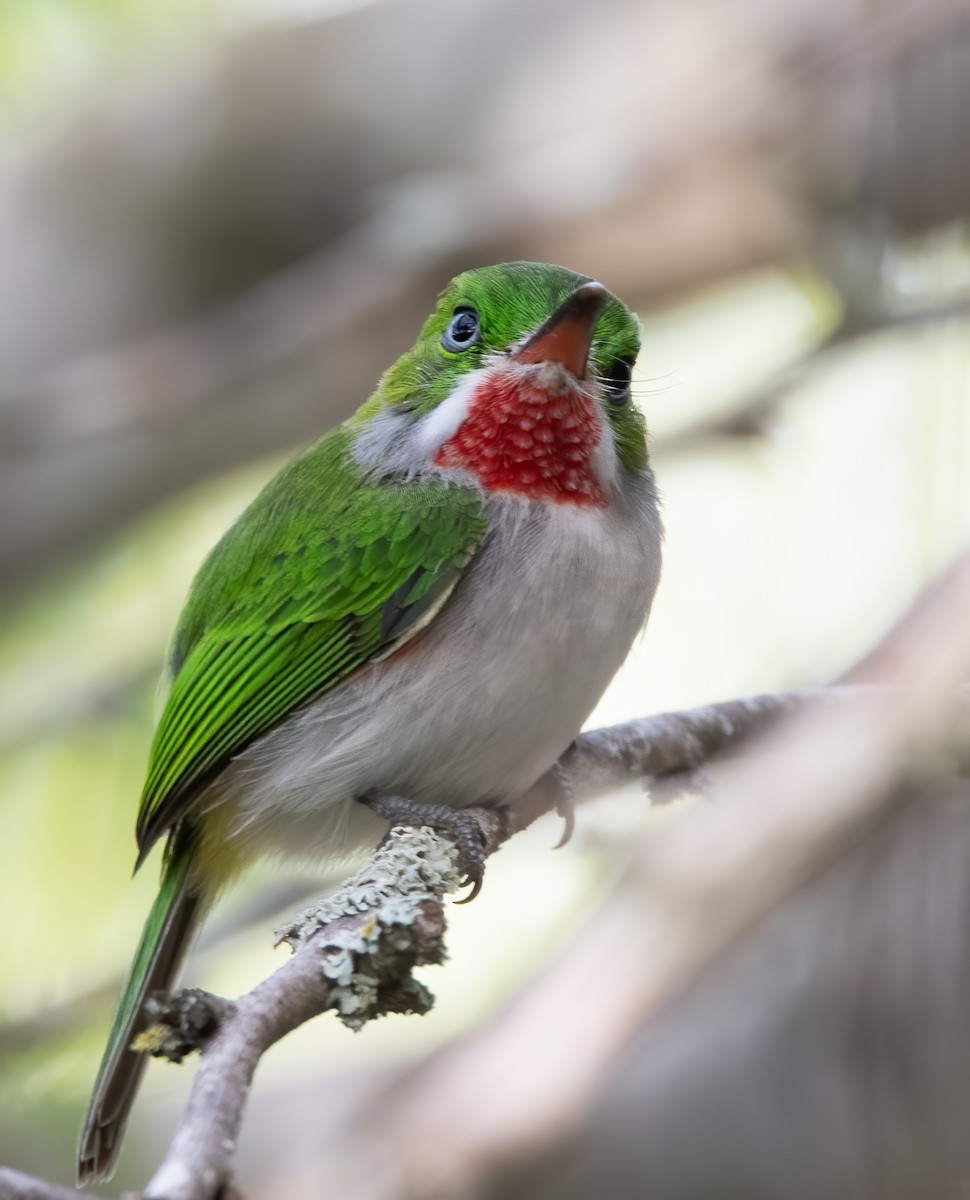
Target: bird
427, 603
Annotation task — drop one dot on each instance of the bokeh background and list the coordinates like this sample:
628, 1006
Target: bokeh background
220, 220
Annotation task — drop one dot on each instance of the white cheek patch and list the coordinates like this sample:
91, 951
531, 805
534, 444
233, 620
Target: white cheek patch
443, 422
393, 443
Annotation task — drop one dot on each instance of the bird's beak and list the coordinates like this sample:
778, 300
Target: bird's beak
568, 334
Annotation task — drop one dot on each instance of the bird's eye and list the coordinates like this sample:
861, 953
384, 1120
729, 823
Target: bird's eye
462, 332
616, 381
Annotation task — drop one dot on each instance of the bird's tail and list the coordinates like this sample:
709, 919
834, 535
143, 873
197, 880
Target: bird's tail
164, 943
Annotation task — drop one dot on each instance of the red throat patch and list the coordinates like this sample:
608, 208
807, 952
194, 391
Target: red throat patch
520, 438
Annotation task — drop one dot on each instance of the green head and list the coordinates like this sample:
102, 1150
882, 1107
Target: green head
513, 335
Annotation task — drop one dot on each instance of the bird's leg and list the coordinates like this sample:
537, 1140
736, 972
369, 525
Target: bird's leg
461, 826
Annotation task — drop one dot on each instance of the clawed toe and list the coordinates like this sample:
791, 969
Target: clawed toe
471, 861
460, 825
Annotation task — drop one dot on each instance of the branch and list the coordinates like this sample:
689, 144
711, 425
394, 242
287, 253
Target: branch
354, 953
692, 888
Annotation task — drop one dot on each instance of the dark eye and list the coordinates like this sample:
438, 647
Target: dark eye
462, 331
616, 381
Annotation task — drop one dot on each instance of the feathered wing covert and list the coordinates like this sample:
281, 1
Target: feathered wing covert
327, 576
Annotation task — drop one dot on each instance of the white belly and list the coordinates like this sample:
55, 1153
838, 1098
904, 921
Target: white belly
481, 703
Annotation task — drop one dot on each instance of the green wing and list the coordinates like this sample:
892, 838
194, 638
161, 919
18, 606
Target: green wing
319, 576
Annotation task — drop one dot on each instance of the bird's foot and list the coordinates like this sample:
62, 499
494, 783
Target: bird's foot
461, 826
565, 802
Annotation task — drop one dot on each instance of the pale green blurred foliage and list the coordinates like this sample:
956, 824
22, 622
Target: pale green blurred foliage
50, 50
786, 556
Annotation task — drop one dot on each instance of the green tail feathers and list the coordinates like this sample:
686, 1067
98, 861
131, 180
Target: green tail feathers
174, 917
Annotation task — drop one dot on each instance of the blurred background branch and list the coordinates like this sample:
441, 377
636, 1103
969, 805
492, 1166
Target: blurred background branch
194, 277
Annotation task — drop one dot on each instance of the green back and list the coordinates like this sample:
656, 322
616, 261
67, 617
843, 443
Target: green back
321, 574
